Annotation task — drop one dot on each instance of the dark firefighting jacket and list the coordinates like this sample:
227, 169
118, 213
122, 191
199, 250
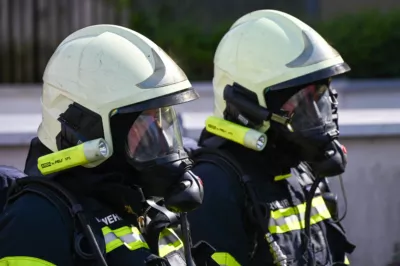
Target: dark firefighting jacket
226, 218
36, 232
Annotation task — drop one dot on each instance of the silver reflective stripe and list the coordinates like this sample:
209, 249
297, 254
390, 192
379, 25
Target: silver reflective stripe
110, 237
130, 238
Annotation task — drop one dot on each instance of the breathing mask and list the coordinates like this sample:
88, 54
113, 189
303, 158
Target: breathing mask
154, 147
311, 126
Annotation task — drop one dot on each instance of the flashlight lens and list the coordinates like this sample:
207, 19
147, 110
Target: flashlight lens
260, 142
103, 148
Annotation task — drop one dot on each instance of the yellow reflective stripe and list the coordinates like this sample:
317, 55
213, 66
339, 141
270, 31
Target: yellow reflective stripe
168, 242
116, 243
166, 232
120, 231
284, 220
316, 202
297, 225
24, 261
281, 177
225, 259
128, 236
346, 260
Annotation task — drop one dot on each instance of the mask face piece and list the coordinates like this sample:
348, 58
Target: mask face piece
154, 134
312, 129
154, 148
147, 138
309, 108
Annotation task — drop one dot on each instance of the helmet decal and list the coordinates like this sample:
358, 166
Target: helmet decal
163, 75
315, 50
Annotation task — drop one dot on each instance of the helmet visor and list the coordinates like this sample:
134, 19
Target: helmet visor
154, 134
309, 108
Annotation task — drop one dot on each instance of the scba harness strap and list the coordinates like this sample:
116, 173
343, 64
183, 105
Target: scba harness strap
211, 154
158, 231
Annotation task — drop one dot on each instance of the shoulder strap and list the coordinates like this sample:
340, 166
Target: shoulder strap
210, 150
8, 175
219, 158
160, 218
17, 189
68, 206
227, 162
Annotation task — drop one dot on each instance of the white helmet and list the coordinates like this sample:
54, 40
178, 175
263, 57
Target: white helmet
102, 70
269, 50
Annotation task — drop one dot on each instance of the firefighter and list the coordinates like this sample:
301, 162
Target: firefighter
269, 147
108, 86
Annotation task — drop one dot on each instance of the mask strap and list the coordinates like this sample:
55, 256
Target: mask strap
334, 105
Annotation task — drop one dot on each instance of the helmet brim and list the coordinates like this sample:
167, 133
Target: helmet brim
312, 77
167, 100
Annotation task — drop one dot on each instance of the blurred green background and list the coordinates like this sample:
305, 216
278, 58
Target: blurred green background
368, 41
365, 32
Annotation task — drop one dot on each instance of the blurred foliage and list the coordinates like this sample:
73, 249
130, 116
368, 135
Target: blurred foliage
191, 45
367, 41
